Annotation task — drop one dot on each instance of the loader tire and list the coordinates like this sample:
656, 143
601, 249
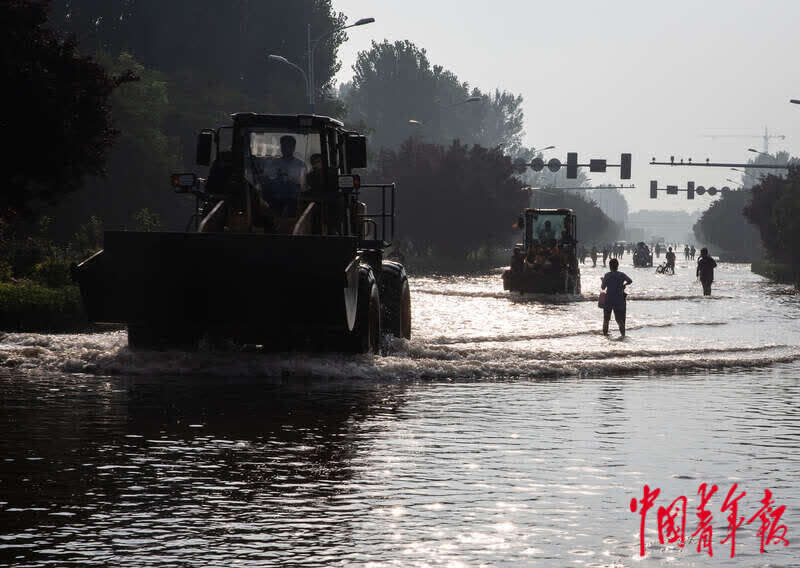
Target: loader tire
396, 298
366, 334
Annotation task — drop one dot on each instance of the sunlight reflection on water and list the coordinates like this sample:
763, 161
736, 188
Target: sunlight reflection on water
508, 431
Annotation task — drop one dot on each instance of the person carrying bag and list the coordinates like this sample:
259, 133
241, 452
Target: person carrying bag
614, 297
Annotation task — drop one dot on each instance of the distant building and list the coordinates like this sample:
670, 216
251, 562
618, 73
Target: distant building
671, 226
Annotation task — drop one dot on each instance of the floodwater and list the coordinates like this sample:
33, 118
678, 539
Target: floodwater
508, 432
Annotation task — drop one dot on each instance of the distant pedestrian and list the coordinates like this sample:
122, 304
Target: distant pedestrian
705, 270
671, 259
594, 256
658, 250
605, 254
691, 252
686, 252
614, 284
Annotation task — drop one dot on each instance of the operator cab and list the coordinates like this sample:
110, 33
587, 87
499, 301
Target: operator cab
280, 174
549, 227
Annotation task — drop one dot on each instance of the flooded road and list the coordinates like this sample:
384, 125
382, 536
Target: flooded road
507, 432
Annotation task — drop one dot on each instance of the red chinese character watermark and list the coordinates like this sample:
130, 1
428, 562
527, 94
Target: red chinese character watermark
734, 520
705, 529
646, 502
668, 522
770, 532
672, 519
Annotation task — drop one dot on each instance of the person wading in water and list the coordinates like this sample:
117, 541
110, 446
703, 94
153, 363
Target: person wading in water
614, 284
705, 270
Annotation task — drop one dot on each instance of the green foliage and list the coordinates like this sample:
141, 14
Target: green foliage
39, 259
725, 227
775, 210
58, 118
219, 46
139, 165
87, 240
395, 83
147, 221
452, 200
28, 306
6, 271
52, 272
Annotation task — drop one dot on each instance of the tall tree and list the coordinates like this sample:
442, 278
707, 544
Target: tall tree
453, 199
724, 226
397, 93
58, 123
206, 43
775, 211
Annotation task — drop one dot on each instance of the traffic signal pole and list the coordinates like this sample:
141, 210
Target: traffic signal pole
594, 165
709, 164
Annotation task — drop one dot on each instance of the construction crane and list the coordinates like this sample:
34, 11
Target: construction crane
766, 137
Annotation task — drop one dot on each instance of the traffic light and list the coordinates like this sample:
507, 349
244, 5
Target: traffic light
653, 189
596, 165
572, 165
625, 166
690, 190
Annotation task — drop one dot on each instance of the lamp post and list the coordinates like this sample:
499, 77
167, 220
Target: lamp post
795, 101
770, 156
465, 101
284, 61
311, 48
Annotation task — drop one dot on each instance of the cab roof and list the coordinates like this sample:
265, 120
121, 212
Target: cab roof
562, 211
288, 121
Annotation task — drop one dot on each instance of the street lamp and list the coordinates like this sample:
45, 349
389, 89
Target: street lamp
795, 101
415, 122
284, 61
534, 149
469, 100
312, 46
762, 153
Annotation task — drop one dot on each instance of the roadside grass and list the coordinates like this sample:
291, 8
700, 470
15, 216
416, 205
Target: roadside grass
776, 271
30, 306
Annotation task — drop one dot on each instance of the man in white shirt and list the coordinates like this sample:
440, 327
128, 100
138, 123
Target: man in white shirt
284, 177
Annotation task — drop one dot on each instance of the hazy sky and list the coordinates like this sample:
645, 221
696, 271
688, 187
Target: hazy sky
601, 78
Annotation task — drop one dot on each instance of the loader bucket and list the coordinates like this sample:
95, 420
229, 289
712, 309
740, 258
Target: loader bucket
249, 286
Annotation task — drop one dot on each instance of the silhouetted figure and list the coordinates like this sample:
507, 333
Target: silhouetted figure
605, 255
614, 284
283, 179
546, 234
594, 256
705, 270
692, 251
671, 259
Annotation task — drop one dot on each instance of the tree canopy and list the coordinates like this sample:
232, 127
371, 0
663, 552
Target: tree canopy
775, 211
208, 44
395, 83
452, 199
58, 121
